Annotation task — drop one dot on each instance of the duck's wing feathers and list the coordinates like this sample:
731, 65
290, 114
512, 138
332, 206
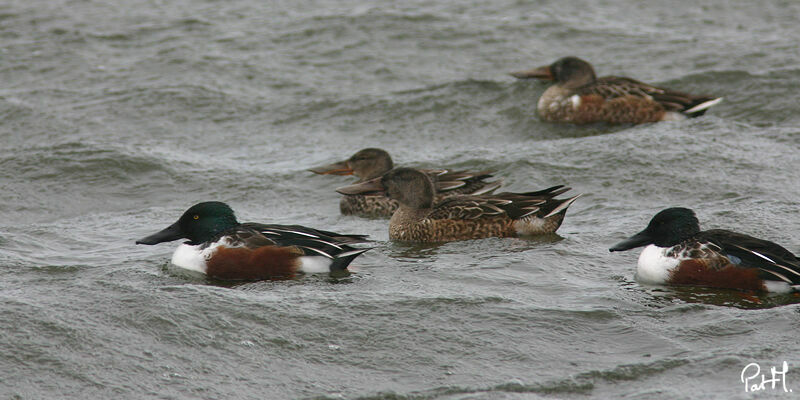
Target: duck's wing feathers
774, 261
461, 182
544, 201
511, 205
242, 236
610, 87
295, 231
470, 207
313, 242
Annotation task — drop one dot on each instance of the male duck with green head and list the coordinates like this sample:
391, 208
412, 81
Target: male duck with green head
677, 252
221, 247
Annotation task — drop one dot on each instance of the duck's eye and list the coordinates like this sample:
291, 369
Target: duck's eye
196, 216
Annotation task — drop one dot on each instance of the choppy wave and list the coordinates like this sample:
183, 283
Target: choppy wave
115, 118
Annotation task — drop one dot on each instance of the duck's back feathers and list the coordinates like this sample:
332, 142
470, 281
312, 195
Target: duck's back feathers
613, 87
288, 232
512, 205
475, 207
446, 182
774, 261
314, 242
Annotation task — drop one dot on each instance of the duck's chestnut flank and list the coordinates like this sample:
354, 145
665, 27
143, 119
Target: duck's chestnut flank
698, 273
241, 263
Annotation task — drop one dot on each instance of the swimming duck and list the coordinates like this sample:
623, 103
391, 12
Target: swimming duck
419, 219
579, 97
221, 247
677, 252
371, 163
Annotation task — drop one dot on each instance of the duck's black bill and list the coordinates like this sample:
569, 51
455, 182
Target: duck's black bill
366, 187
172, 232
637, 240
339, 168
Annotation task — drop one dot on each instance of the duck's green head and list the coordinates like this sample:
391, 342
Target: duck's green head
199, 224
667, 228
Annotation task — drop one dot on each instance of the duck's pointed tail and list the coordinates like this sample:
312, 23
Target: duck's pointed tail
701, 106
343, 259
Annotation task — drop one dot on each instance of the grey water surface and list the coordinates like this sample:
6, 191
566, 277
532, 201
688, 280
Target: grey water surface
117, 116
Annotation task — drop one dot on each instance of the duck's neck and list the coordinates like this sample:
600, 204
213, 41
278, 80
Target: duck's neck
405, 217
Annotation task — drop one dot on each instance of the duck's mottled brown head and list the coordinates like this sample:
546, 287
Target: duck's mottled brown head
408, 186
568, 71
366, 164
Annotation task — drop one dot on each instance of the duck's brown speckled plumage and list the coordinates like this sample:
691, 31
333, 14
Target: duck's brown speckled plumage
371, 163
464, 217
579, 97
367, 206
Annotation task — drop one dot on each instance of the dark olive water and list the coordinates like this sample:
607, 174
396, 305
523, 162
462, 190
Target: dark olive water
115, 117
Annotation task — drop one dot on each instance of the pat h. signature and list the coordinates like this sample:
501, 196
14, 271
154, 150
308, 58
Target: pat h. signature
752, 372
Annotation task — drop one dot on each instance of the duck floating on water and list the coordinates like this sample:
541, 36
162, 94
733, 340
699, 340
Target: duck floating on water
579, 97
677, 252
419, 219
222, 248
372, 163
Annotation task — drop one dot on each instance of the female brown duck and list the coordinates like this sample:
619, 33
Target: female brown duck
372, 163
579, 97
463, 217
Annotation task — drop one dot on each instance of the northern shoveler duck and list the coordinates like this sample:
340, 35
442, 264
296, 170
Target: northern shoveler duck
419, 219
220, 247
679, 253
579, 97
372, 163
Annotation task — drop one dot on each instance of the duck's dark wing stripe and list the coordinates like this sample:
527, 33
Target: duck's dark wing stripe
753, 252
541, 202
551, 191
310, 251
728, 240
311, 241
775, 274
302, 231
790, 273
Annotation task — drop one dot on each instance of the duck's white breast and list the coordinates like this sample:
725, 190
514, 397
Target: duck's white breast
192, 257
654, 265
